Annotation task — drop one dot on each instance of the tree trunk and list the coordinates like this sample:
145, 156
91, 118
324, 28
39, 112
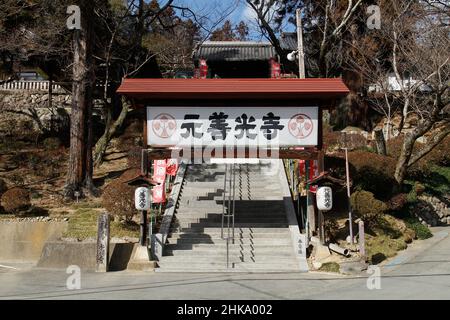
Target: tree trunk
404, 115
80, 114
403, 160
110, 130
381, 143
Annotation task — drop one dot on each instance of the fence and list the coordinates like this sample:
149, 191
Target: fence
21, 85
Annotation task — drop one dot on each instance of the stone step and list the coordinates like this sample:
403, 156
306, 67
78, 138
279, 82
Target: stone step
267, 241
219, 189
189, 202
238, 235
204, 212
215, 211
186, 222
254, 197
212, 256
231, 258
207, 218
237, 225
247, 230
216, 218
213, 247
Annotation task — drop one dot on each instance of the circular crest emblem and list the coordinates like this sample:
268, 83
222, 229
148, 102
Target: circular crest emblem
300, 126
164, 125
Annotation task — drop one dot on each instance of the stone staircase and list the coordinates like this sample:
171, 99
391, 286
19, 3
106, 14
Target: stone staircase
262, 239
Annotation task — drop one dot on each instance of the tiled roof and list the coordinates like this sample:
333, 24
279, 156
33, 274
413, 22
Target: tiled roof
288, 41
173, 89
235, 51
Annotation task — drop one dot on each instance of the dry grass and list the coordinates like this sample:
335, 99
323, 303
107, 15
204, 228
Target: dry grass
83, 224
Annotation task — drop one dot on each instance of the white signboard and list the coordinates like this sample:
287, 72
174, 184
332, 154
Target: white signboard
232, 126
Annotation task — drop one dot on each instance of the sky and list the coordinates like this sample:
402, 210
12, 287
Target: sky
220, 10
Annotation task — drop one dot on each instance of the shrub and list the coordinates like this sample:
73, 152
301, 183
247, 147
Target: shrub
15, 200
118, 197
439, 156
372, 172
366, 207
398, 202
422, 232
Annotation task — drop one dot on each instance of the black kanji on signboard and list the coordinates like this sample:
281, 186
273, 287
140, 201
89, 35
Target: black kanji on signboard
191, 126
218, 127
271, 126
244, 126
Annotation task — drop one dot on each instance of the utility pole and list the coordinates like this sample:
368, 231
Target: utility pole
301, 54
347, 173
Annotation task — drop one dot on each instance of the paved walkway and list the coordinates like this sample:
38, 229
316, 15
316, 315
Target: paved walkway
421, 272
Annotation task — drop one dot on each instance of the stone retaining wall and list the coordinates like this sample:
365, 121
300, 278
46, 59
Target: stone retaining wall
432, 211
22, 109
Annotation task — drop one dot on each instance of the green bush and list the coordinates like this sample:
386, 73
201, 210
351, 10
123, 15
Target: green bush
366, 207
16, 200
421, 230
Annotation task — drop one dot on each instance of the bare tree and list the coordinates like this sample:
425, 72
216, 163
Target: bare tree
419, 60
325, 21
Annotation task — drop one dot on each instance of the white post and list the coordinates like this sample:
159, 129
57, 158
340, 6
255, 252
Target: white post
347, 173
301, 55
362, 242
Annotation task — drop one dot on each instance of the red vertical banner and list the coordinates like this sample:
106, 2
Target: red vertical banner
172, 167
203, 69
275, 69
159, 193
159, 171
313, 173
302, 168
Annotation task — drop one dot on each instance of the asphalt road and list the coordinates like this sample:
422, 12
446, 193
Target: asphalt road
420, 272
